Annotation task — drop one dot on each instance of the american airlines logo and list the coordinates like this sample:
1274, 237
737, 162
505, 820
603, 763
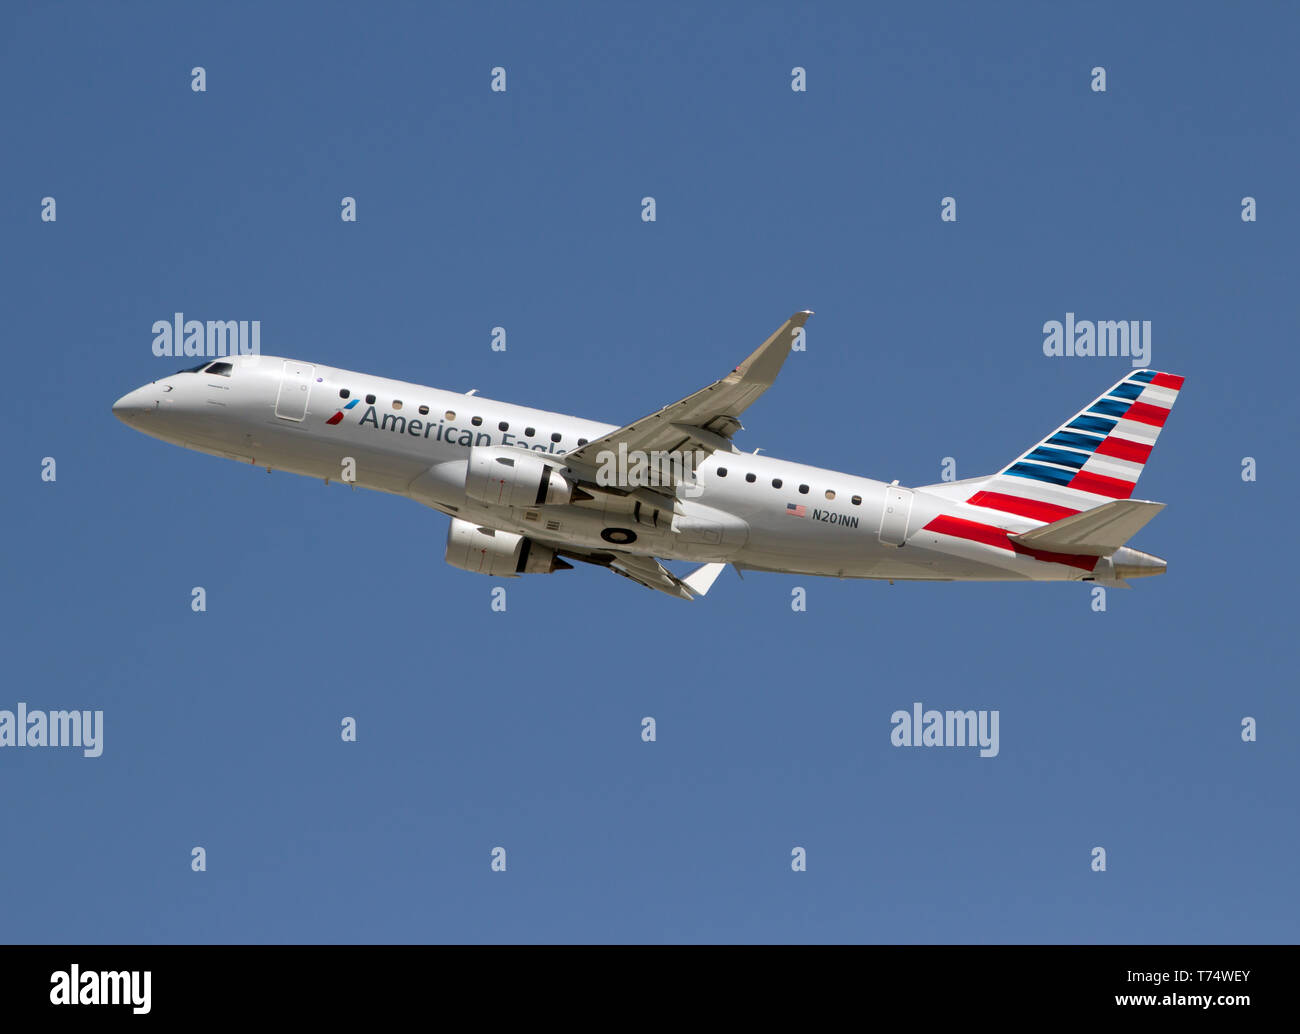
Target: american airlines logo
438, 430
337, 418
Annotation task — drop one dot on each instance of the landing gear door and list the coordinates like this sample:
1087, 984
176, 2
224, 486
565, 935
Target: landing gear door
295, 389
893, 519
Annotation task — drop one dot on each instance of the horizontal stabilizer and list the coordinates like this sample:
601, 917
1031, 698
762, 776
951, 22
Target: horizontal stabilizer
1096, 532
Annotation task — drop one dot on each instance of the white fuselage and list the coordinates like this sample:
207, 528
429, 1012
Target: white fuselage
415, 441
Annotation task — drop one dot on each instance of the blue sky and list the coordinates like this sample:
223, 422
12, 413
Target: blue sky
477, 729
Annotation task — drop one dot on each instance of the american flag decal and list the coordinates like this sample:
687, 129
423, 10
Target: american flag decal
795, 510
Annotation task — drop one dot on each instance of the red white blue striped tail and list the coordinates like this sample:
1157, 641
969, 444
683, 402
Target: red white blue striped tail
1091, 459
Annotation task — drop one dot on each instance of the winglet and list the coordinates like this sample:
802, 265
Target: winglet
701, 579
766, 361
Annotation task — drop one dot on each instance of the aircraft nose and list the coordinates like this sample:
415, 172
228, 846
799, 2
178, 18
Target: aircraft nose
133, 405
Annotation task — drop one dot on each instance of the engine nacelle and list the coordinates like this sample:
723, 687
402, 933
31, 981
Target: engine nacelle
502, 554
504, 476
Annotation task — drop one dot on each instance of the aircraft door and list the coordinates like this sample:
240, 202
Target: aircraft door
295, 390
896, 510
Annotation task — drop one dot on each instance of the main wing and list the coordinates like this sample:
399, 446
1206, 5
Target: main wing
703, 422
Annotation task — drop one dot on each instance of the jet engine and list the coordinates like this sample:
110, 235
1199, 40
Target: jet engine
505, 476
500, 553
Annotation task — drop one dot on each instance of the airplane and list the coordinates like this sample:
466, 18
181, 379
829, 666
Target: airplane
528, 490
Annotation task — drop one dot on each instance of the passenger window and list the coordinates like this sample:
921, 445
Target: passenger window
803, 489
750, 478
582, 442
830, 494
220, 369
370, 400
529, 432
344, 393
477, 421
503, 426
424, 411
397, 403
776, 482
555, 436
857, 500
722, 472
450, 414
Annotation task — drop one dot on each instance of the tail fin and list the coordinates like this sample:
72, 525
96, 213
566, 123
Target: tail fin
1092, 459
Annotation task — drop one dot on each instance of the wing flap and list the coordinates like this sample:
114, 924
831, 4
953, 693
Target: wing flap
650, 573
647, 571
701, 580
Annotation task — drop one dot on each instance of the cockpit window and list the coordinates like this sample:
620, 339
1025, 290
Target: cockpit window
220, 369
193, 369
